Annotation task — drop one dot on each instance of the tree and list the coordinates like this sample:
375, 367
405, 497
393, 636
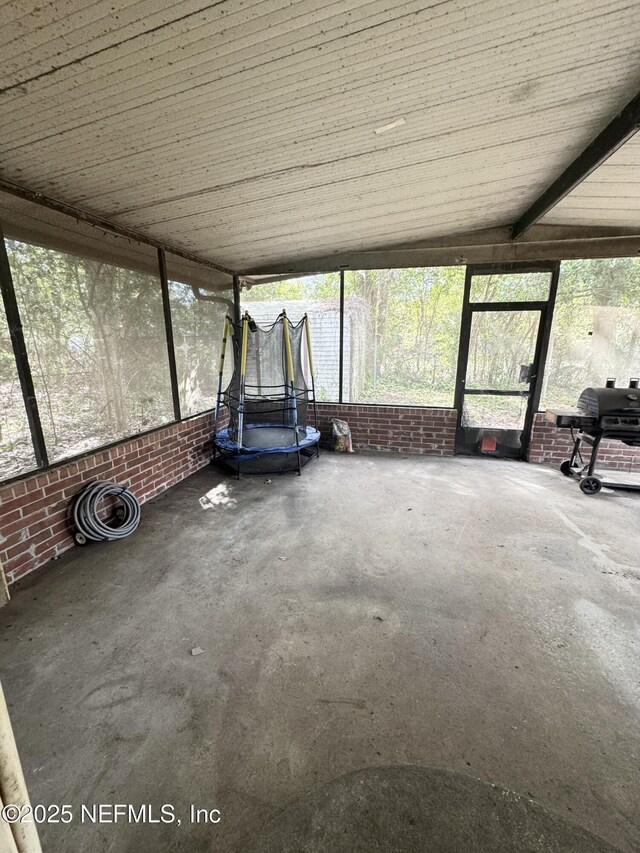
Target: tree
96, 344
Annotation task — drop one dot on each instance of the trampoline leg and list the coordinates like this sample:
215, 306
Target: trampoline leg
299, 465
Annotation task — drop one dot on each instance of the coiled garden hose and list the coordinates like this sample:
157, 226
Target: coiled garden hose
89, 527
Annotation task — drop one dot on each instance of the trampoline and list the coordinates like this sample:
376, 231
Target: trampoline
268, 398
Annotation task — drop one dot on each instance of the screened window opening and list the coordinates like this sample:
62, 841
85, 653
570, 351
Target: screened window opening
198, 309
596, 328
96, 343
317, 296
197, 338
94, 329
403, 335
510, 287
16, 449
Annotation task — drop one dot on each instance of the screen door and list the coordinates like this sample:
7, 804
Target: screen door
505, 325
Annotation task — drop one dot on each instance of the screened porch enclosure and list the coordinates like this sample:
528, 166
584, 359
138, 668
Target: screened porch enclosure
118, 344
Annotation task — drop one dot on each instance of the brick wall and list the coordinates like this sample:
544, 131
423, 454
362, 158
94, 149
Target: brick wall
552, 446
34, 523
398, 429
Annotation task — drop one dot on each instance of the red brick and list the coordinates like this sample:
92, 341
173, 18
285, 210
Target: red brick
12, 532
552, 446
36, 507
18, 489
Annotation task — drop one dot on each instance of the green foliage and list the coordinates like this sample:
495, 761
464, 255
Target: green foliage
7, 362
596, 327
510, 287
96, 344
412, 332
410, 321
309, 287
197, 332
96, 341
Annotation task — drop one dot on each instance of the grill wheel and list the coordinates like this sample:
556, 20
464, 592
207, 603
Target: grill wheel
590, 485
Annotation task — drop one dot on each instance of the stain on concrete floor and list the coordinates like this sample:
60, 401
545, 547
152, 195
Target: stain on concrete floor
413, 809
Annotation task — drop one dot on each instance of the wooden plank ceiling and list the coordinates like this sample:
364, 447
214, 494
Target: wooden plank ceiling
244, 131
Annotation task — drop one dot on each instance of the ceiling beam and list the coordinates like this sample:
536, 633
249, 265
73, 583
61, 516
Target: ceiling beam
105, 224
615, 134
542, 243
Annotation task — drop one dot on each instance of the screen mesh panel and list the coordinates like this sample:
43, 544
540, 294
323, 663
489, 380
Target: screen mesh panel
197, 316
95, 338
596, 328
16, 449
317, 296
402, 329
510, 287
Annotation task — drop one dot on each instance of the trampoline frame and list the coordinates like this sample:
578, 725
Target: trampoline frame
231, 450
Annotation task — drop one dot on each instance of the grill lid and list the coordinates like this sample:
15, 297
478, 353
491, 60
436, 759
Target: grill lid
597, 402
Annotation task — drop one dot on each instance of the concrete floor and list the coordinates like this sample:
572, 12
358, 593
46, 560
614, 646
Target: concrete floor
383, 615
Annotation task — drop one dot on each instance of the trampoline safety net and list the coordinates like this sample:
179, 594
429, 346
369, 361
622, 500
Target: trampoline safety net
268, 397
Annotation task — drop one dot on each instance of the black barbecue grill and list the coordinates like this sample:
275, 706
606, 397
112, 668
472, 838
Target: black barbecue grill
607, 412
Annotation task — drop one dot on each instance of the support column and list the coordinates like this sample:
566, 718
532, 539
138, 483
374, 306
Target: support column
20, 355
168, 328
236, 299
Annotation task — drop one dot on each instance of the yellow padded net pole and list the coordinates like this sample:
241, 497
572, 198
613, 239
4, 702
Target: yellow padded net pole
245, 338
224, 343
287, 346
227, 328
308, 335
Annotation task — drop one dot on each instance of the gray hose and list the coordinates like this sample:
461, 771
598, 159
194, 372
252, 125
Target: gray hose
87, 524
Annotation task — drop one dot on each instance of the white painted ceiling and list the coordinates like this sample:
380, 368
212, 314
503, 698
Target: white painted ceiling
243, 131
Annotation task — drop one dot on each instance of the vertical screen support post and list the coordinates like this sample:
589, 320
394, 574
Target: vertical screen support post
236, 299
168, 328
21, 357
341, 356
